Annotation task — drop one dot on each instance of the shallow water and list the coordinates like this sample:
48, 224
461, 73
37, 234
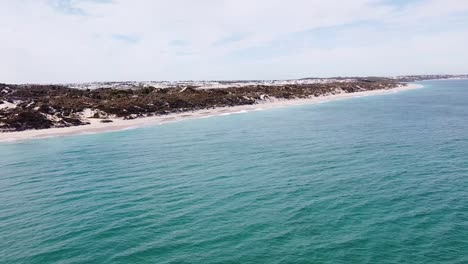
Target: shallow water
380, 179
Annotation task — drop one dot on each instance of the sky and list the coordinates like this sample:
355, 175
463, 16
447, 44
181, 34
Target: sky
63, 41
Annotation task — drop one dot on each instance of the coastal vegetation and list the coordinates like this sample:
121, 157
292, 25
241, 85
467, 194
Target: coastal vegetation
25, 107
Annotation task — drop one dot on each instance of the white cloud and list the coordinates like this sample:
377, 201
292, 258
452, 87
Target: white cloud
88, 40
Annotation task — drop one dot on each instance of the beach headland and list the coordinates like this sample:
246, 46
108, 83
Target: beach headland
114, 123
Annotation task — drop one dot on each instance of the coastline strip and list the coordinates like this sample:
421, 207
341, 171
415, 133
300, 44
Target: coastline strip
119, 124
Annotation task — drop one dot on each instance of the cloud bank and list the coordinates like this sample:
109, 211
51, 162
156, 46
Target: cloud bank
46, 41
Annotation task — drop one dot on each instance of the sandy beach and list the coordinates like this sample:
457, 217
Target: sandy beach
119, 124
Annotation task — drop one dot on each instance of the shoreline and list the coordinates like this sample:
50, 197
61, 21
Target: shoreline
119, 124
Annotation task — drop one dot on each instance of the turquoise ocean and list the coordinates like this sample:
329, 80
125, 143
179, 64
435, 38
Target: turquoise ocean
381, 179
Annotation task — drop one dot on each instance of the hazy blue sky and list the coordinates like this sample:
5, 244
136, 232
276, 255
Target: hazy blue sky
96, 40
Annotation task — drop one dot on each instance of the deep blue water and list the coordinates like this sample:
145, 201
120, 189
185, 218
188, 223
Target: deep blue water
380, 179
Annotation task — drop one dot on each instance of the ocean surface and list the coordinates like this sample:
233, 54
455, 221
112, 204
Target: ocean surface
381, 179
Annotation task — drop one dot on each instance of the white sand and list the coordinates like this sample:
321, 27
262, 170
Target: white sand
119, 124
7, 105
